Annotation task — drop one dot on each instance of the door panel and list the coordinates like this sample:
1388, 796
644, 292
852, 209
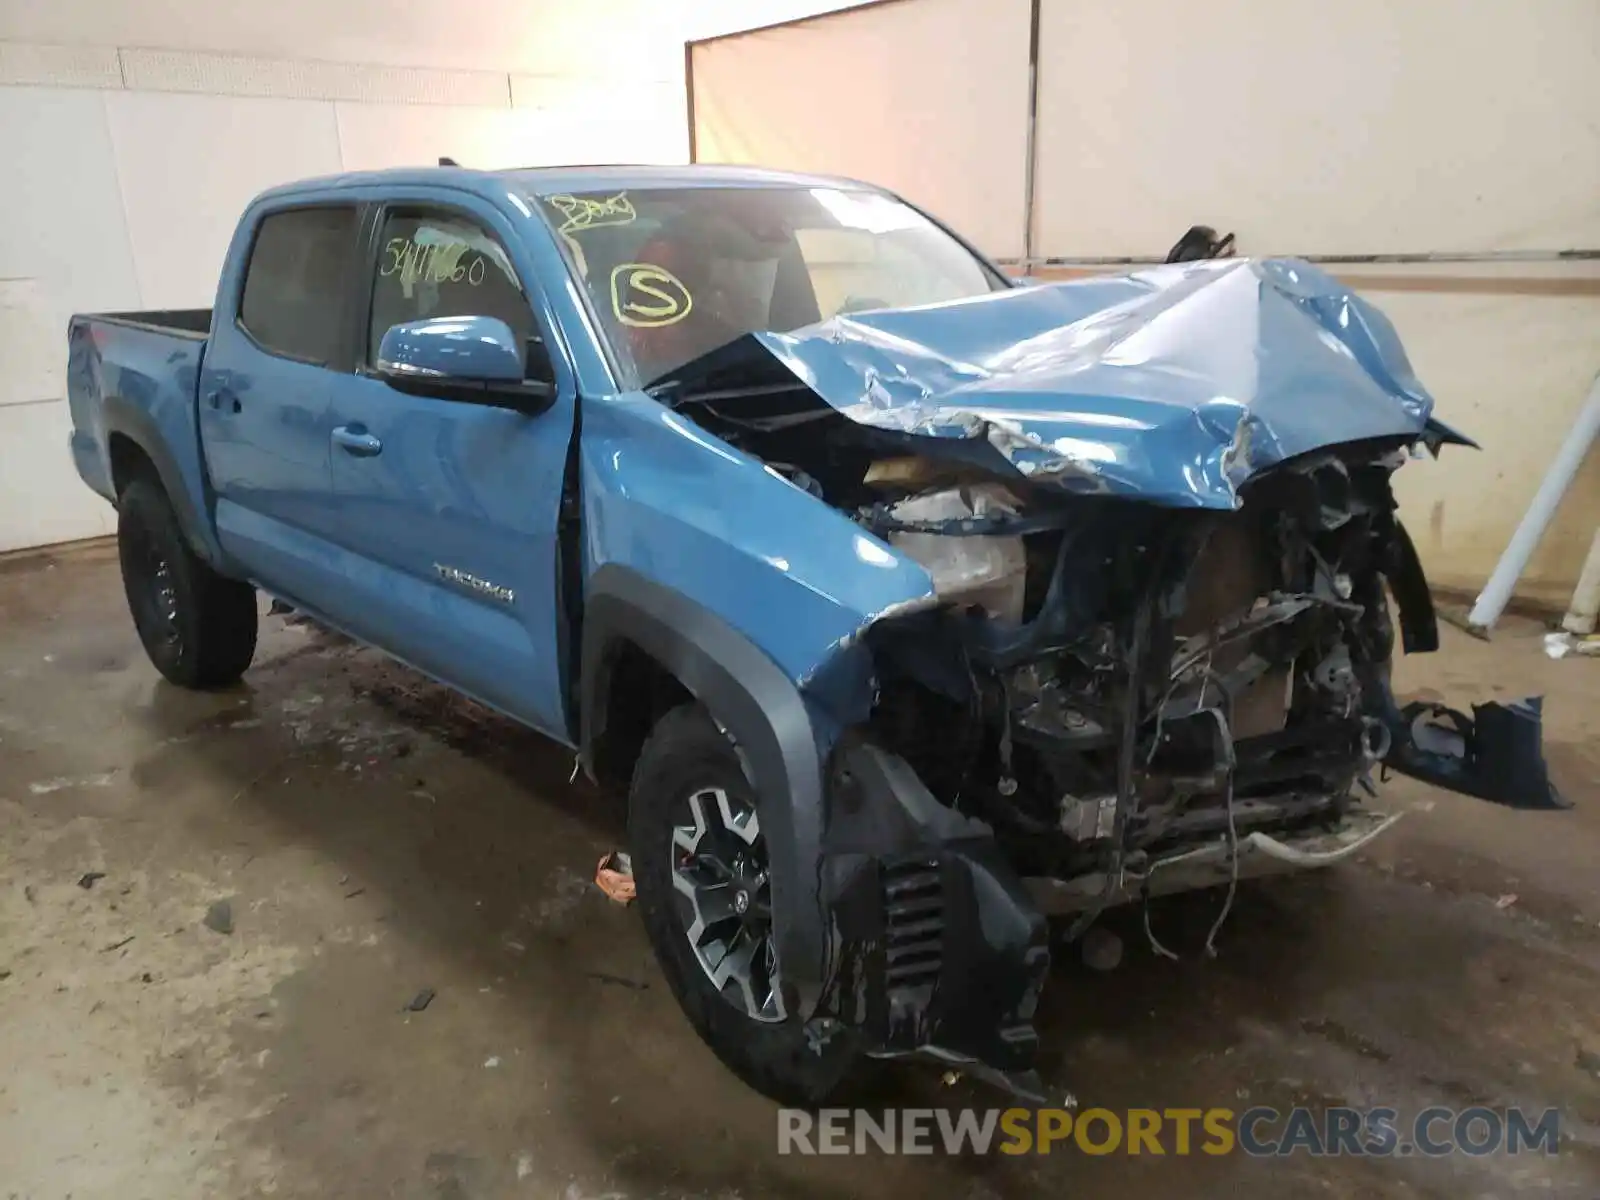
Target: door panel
265, 389
449, 509
265, 432
454, 523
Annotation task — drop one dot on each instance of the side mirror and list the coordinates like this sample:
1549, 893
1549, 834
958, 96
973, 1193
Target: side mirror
466, 358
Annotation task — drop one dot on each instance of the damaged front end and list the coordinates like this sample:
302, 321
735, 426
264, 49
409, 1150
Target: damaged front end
1157, 517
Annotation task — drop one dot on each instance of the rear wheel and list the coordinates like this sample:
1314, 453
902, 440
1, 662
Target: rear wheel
198, 627
701, 868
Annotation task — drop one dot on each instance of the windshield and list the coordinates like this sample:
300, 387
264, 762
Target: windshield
676, 272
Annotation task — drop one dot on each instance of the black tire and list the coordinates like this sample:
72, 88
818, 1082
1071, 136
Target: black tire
686, 753
198, 627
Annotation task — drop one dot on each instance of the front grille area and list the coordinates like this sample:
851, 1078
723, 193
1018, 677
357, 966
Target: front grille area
913, 908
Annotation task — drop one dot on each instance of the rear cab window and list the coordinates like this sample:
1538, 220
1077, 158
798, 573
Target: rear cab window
297, 284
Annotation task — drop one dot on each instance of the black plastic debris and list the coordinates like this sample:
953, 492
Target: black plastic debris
420, 1001
219, 917
1200, 242
89, 878
1495, 754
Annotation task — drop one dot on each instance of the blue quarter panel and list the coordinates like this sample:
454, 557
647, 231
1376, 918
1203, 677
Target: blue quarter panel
140, 382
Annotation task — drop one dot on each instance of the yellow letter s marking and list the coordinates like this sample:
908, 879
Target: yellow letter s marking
646, 296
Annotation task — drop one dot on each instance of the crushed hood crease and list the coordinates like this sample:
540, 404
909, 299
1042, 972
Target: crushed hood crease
1174, 384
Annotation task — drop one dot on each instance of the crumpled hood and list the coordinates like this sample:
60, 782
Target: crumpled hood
1174, 384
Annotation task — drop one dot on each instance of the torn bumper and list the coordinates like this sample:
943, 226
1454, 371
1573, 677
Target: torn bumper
1497, 754
936, 947
1210, 865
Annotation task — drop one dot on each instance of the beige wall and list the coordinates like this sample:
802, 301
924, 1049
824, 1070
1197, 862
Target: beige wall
1510, 369
926, 97
1356, 127
1368, 127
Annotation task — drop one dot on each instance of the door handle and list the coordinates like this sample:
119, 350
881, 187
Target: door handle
219, 397
354, 440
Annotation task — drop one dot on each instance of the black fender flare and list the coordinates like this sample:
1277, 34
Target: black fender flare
1419, 624
764, 713
121, 417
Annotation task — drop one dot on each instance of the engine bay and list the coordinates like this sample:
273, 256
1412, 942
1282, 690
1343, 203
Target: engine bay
1108, 683
1166, 581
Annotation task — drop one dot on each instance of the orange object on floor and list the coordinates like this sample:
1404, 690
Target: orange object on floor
614, 877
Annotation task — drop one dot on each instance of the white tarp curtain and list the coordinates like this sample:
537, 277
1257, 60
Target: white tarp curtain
926, 97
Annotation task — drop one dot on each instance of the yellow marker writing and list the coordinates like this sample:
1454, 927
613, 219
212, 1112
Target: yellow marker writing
580, 212
646, 296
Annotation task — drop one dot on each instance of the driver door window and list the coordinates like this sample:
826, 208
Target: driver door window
439, 265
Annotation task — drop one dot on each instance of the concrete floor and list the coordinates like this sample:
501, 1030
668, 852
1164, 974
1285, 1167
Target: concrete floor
377, 836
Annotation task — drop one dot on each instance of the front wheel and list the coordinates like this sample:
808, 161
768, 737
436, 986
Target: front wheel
701, 869
198, 627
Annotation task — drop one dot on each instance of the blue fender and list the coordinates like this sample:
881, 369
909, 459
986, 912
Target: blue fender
684, 509
750, 592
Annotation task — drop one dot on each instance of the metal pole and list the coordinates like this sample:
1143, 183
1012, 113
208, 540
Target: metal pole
1585, 610
1031, 164
1497, 592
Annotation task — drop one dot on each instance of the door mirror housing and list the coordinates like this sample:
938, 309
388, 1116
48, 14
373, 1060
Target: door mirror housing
476, 359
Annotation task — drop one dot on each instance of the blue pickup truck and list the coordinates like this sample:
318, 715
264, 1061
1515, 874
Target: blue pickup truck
912, 607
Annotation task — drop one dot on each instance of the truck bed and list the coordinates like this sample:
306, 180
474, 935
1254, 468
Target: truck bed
185, 322
132, 386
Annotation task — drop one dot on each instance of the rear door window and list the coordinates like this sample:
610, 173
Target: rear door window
297, 285
433, 264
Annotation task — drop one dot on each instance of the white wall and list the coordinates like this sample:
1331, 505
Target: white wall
583, 40
126, 169
120, 200
63, 244
614, 40
133, 131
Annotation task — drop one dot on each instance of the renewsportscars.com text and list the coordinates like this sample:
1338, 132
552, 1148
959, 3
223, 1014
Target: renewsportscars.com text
1256, 1132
